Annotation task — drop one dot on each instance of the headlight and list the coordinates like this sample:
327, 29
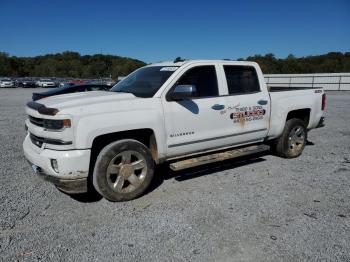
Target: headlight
50, 124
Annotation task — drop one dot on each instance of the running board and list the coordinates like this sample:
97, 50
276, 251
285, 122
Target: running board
202, 160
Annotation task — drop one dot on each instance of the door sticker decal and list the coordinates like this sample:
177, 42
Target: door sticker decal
247, 113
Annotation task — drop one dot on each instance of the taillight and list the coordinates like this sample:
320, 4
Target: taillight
323, 107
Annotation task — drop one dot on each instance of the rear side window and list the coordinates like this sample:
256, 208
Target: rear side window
241, 79
204, 78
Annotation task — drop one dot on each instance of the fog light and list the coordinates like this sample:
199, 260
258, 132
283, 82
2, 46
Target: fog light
54, 165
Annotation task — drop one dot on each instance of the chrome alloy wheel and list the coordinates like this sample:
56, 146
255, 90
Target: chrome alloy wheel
126, 171
296, 139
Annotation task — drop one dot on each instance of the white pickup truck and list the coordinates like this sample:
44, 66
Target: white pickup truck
185, 113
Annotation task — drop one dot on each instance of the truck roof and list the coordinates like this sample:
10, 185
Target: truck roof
171, 63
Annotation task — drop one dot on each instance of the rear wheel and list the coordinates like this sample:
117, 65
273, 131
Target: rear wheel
123, 170
293, 139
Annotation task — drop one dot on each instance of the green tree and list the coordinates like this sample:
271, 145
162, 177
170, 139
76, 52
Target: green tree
72, 64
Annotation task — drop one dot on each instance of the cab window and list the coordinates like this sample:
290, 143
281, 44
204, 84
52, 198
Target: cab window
203, 78
241, 79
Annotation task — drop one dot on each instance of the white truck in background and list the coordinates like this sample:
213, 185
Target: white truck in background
46, 83
186, 113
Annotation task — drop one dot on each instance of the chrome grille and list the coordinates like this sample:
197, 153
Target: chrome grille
38, 141
36, 121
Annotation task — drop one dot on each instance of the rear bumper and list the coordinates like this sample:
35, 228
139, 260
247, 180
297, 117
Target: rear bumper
73, 166
321, 123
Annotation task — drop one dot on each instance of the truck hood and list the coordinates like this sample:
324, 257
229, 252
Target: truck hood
84, 99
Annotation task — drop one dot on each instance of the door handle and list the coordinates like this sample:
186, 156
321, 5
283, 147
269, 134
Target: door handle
262, 102
218, 107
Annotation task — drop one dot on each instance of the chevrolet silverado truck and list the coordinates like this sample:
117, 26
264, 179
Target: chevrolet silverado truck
185, 113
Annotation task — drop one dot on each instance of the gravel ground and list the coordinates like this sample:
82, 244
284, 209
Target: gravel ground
256, 209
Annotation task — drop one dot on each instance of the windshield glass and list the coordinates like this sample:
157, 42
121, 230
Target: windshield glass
145, 81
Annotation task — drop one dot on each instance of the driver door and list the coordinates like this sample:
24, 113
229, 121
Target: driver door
195, 124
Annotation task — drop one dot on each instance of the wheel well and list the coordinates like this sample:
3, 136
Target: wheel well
145, 136
302, 114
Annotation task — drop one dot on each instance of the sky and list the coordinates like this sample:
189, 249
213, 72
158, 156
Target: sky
155, 30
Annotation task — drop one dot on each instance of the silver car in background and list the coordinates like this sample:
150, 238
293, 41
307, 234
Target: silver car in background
6, 82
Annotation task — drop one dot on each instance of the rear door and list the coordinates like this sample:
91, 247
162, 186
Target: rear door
247, 107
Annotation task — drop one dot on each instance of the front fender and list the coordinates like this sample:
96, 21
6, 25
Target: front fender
91, 126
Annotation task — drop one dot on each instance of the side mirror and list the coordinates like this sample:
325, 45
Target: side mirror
183, 92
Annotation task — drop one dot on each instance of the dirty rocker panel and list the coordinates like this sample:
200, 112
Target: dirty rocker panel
220, 156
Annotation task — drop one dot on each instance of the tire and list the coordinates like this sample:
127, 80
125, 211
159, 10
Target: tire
123, 170
292, 141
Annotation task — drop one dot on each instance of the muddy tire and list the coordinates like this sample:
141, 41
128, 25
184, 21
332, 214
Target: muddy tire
292, 141
123, 170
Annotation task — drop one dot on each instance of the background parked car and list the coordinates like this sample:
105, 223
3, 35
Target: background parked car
70, 89
46, 83
110, 82
76, 82
7, 82
26, 83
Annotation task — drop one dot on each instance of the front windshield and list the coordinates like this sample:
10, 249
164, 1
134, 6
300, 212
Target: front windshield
145, 81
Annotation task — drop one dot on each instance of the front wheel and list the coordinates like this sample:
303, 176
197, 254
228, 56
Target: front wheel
123, 170
293, 139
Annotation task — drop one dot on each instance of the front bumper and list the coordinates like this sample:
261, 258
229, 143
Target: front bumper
70, 186
73, 166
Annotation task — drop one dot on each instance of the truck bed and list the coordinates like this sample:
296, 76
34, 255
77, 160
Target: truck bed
287, 88
304, 98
